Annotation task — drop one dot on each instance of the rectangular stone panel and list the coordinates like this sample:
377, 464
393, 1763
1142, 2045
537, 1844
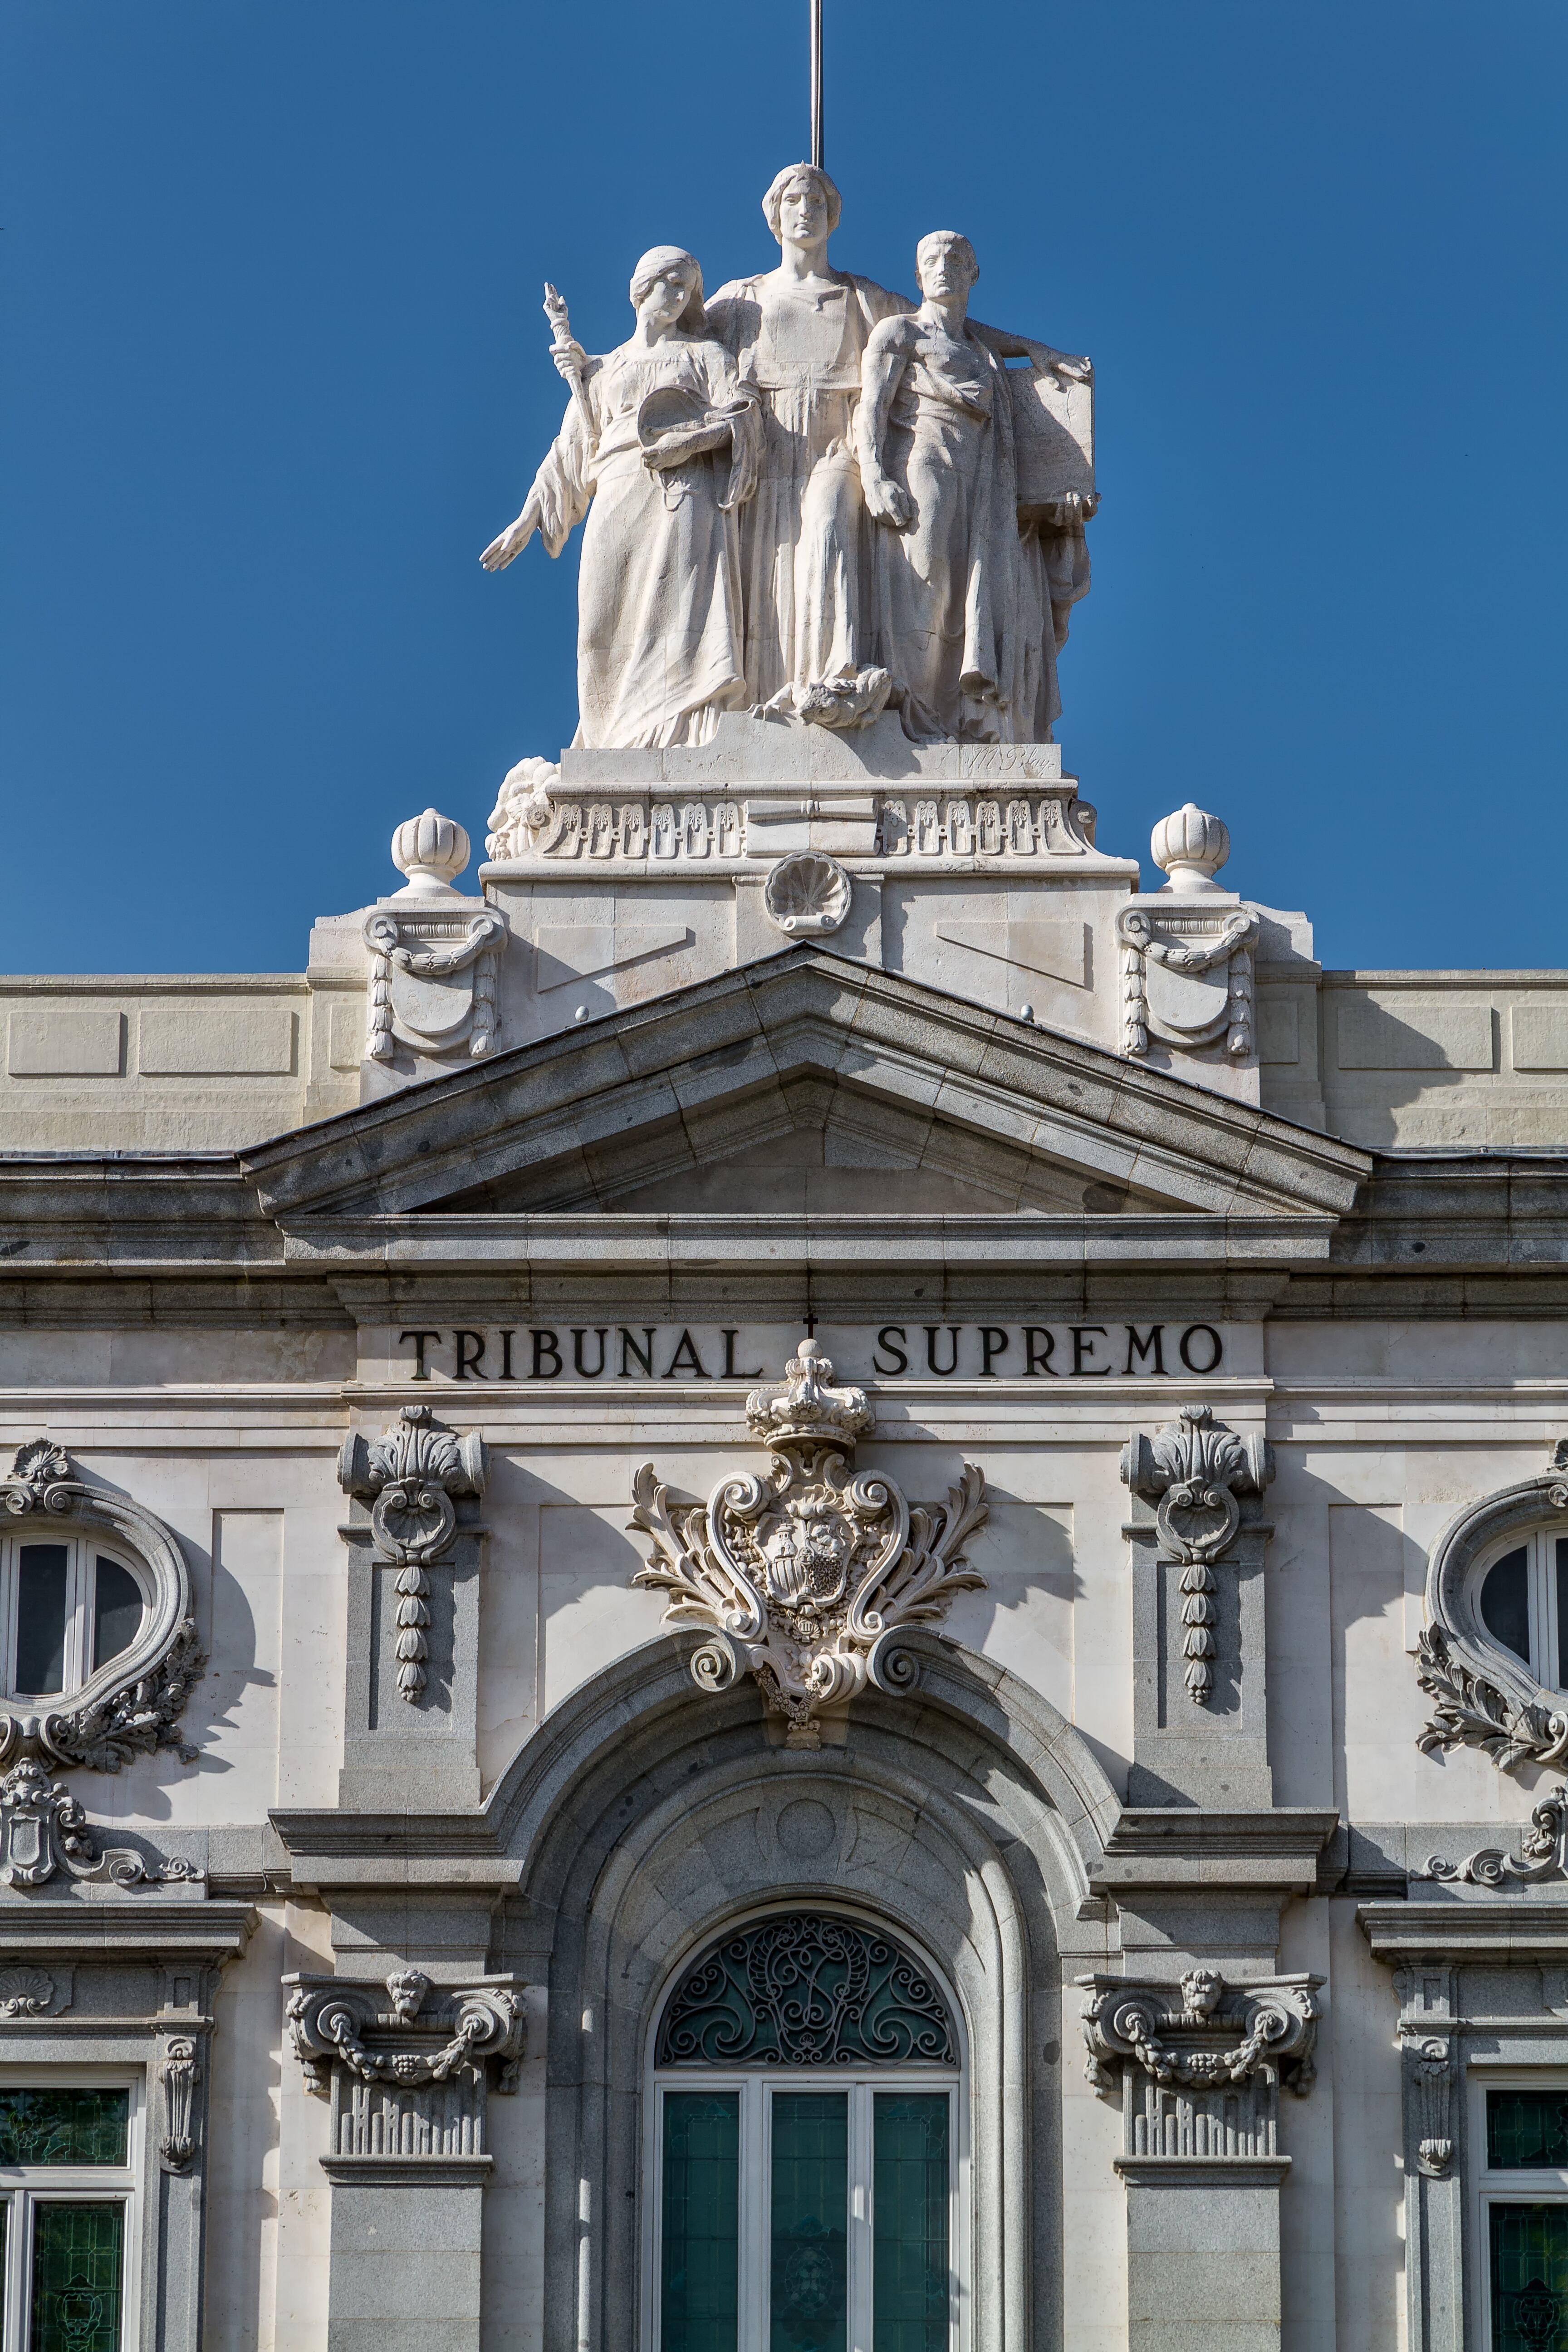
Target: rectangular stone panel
346, 1036
67, 1040
1539, 1036
1413, 1033
1278, 1029
226, 1040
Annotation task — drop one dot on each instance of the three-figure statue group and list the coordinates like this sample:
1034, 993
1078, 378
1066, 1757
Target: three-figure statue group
803, 497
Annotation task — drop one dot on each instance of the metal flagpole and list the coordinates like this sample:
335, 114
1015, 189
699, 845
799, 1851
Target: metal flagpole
816, 155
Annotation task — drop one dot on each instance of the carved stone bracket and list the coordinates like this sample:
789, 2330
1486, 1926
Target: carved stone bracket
1485, 1696
409, 1476
1543, 1853
1199, 2066
179, 2073
432, 979
407, 2069
1429, 2058
132, 1706
806, 1576
1186, 975
1193, 1470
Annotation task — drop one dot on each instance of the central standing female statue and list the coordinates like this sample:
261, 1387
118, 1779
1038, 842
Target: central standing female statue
798, 334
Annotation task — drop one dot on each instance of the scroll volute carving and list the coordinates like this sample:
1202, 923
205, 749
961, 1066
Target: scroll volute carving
1194, 1472
805, 1575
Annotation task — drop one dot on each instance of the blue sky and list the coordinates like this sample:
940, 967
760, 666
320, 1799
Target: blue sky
275, 372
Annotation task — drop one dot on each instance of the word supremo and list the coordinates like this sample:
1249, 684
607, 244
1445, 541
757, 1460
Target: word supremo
647, 1351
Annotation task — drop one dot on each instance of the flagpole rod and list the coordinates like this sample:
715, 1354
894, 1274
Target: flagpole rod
816, 154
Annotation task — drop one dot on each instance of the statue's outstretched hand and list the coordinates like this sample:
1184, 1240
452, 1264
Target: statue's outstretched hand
512, 540
888, 501
570, 359
1073, 371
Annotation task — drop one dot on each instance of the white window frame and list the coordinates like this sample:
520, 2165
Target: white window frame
1514, 2186
1540, 1585
23, 2187
83, 1546
757, 2088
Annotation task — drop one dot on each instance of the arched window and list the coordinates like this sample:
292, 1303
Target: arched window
807, 2156
1520, 1591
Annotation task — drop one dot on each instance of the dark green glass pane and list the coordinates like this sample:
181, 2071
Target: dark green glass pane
115, 1611
1529, 2278
63, 2126
808, 2265
1505, 1602
1527, 2129
699, 2286
807, 1990
41, 1618
1562, 1614
910, 2283
77, 2257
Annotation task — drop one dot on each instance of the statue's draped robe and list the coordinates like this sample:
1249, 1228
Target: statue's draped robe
659, 630
959, 617
805, 556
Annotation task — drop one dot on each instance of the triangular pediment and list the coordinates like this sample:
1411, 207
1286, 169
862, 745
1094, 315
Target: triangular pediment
807, 1083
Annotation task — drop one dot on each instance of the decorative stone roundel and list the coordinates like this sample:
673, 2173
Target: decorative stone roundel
806, 894
806, 1990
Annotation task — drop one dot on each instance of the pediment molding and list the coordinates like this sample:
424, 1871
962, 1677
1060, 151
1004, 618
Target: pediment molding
669, 1068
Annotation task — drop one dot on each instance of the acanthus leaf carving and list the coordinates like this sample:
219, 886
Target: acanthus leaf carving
1485, 1696
409, 1477
132, 1706
1192, 1471
806, 1575
1542, 1853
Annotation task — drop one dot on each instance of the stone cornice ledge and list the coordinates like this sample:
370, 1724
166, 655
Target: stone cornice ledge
1470, 1922
328, 1848
164, 1925
1178, 1845
1202, 2172
396, 2171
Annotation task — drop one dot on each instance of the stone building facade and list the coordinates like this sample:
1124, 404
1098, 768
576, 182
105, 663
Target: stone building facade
803, 1577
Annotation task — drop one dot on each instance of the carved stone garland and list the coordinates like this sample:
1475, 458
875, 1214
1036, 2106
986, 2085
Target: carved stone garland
1484, 1696
418, 994
1200, 2067
1189, 989
132, 1706
409, 1476
805, 1576
1194, 1470
406, 2070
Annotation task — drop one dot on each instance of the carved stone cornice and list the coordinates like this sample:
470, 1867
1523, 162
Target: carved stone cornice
1199, 2065
806, 1576
1193, 1470
409, 1476
132, 1706
1484, 1696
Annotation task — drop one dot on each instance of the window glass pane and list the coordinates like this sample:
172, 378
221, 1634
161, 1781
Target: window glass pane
909, 2284
808, 2271
1562, 1614
1505, 1602
1527, 2127
77, 2254
41, 1617
699, 2292
116, 1610
63, 2126
1529, 2277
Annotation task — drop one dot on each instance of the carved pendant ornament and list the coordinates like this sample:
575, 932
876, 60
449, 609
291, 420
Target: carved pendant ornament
805, 1575
409, 1476
1193, 1472
133, 1704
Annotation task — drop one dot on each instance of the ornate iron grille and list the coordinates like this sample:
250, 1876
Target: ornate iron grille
807, 1990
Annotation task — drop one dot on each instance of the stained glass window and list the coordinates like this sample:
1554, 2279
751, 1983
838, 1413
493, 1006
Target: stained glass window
807, 1990
78, 2256
1529, 2278
912, 2287
699, 2265
49, 2127
808, 2252
1527, 2129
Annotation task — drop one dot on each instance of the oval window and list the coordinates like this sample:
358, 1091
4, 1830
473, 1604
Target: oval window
67, 1608
1521, 1600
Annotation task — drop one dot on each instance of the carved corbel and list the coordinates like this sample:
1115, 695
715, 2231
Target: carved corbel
407, 2070
409, 1476
1199, 2066
1192, 1471
806, 1576
179, 2073
132, 1706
